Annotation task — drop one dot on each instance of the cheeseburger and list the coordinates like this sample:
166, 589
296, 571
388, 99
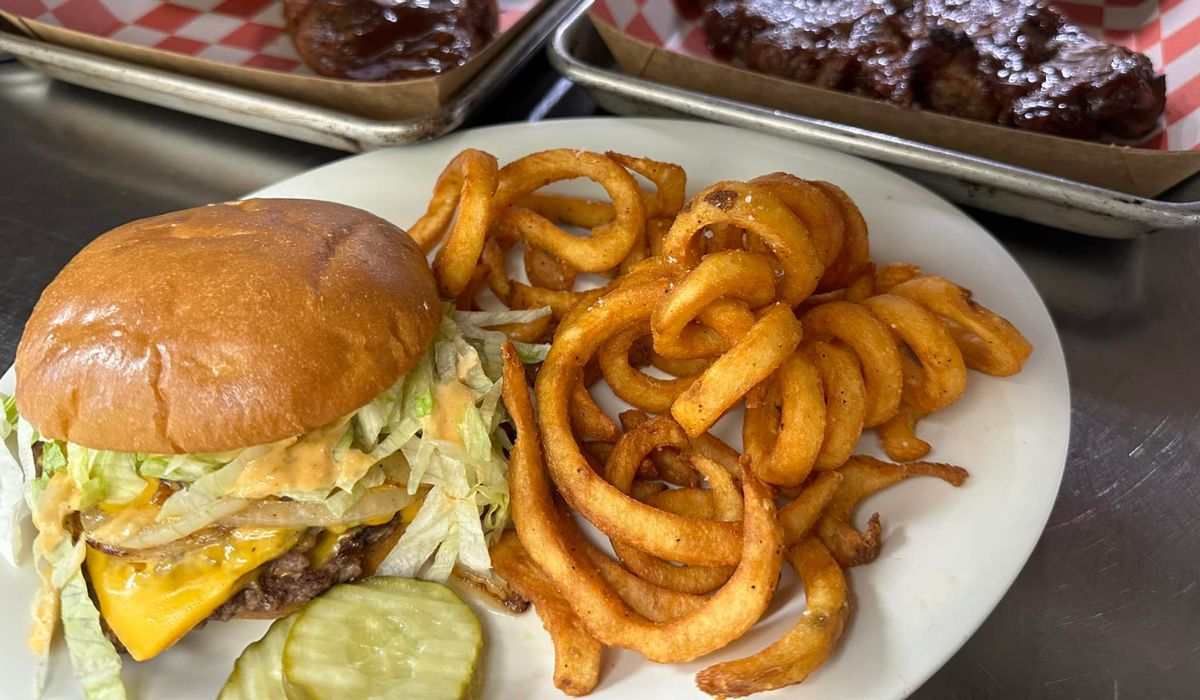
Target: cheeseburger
221, 412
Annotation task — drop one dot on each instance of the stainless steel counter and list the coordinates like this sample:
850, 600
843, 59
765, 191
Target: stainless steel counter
1109, 604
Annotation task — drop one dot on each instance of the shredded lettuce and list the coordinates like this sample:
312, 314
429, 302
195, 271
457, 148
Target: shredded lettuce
14, 473
53, 457
466, 507
465, 351
491, 319
59, 561
474, 325
13, 509
210, 488
8, 419
103, 476
476, 434
97, 665
451, 454
26, 437
448, 529
418, 389
184, 468
372, 418
343, 499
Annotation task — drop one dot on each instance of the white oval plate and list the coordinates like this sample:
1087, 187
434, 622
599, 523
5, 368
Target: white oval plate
949, 554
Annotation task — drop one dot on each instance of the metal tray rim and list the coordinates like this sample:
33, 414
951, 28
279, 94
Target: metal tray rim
279, 115
1152, 214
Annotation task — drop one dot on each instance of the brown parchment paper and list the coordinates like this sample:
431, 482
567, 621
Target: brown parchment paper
404, 99
1138, 171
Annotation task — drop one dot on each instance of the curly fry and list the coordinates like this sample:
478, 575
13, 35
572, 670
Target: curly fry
631, 384
989, 343
760, 351
609, 242
806, 646
576, 652
466, 186
724, 616
861, 477
899, 437
762, 215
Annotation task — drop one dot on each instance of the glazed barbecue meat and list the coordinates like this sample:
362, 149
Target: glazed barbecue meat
389, 39
1015, 62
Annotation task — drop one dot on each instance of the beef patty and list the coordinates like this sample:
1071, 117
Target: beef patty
1014, 62
294, 579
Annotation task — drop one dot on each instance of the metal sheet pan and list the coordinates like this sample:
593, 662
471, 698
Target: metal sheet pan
279, 115
577, 51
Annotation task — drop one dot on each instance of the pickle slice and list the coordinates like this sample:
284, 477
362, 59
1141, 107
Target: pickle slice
258, 672
384, 637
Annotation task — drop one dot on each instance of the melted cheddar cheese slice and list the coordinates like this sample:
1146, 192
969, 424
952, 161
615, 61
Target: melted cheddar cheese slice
150, 604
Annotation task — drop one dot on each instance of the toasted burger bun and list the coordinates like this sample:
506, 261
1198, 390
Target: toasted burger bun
224, 326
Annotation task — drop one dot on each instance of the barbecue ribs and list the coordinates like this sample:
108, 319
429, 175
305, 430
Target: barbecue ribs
1015, 62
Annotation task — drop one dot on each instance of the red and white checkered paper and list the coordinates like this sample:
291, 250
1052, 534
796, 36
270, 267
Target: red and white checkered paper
1168, 31
237, 32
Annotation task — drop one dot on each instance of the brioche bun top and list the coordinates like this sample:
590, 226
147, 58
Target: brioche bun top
224, 326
